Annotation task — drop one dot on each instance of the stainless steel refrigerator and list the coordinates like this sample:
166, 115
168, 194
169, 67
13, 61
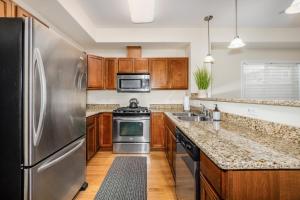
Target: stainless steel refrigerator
43, 103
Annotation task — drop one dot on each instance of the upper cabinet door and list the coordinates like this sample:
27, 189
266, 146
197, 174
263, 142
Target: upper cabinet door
111, 70
95, 72
6, 8
141, 65
178, 70
20, 12
159, 73
125, 65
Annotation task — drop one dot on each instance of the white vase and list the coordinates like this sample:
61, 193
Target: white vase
202, 93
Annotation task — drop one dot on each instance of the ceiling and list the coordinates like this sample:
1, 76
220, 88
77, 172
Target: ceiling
190, 13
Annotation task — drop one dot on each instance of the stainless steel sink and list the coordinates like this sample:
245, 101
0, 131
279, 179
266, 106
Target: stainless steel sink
193, 118
184, 114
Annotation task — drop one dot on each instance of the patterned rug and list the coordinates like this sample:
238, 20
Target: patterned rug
125, 180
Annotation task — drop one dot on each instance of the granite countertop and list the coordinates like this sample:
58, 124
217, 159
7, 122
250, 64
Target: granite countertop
232, 147
291, 103
95, 112
166, 110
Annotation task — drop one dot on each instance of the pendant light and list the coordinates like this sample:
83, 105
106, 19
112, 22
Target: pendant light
237, 42
294, 8
208, 58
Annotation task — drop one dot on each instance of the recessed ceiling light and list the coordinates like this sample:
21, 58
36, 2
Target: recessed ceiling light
141, 11
294, 8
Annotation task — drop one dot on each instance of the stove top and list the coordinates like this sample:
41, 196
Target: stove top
132, 111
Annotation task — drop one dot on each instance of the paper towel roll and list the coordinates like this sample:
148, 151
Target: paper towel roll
186, 103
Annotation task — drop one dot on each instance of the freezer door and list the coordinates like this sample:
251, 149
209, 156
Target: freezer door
56, 93
60, 176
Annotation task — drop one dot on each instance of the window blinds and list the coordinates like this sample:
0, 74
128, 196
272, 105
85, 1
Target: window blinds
271, 81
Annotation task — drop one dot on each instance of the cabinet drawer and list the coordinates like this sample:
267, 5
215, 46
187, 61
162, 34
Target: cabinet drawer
211, 172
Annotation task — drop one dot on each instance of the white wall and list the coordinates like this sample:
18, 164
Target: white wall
226, 70
145, 99
157, 51
278, 114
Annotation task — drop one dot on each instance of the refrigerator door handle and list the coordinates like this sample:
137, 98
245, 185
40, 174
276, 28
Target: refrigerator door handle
38, 62
56, 160
80, 74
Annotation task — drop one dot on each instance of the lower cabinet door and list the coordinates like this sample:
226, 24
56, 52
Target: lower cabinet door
206, 191
157, 131
58, 177
91, 141
173, 154
105, 127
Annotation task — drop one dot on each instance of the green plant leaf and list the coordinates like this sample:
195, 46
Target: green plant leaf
202, 78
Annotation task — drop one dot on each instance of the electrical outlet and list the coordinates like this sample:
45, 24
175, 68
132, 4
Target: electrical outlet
252, 111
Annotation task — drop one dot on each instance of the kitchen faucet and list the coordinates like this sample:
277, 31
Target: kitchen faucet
205, 110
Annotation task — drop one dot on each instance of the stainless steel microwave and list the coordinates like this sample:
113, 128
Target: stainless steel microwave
133, 82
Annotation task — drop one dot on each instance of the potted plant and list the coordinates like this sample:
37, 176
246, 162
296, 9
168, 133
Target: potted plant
203, 79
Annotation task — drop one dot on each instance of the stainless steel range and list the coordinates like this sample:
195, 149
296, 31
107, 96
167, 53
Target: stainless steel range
131, 129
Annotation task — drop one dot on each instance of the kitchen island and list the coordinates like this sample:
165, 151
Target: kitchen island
239, 163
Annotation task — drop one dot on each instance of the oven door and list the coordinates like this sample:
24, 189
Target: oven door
131, 129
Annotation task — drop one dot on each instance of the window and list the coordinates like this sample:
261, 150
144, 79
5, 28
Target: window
271, 81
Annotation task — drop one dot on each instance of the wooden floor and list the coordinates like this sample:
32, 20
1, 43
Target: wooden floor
160, 181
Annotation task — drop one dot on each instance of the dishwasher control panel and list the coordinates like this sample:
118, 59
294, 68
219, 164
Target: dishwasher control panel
188, 145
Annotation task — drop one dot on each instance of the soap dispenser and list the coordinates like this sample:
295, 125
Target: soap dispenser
216, 114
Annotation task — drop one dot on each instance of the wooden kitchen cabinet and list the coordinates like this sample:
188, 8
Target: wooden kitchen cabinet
170, 143
159, 73
173, 153
111, 70
134, 51
141, 65
178, 73
21, 12
91, 134
206, 191
125, 65
157, 131
96, 72
171, 150
6, 8
247, 184
169, 146
105, 127
169, 73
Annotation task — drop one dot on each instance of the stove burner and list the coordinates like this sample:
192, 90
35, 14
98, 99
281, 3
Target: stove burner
128, 110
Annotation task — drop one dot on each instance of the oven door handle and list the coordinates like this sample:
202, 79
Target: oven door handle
131, 118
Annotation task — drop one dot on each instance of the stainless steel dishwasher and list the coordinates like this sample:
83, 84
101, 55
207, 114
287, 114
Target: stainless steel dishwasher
187, 168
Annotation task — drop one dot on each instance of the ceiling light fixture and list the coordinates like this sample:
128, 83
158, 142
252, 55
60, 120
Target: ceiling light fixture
208, 58
141, 11
294, 8
237, 42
